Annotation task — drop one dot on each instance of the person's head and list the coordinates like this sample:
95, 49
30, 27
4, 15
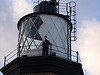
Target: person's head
45, 37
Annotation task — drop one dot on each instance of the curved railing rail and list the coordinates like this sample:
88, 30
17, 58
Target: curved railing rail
60, 52
8, 58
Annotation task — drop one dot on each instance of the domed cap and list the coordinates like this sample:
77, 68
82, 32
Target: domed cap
45, 7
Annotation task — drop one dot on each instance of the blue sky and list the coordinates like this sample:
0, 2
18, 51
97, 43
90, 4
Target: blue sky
88, 24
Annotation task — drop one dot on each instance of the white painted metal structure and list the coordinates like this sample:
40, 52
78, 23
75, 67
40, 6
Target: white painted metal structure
56, 21
32, 34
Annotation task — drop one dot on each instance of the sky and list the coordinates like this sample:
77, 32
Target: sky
88, 28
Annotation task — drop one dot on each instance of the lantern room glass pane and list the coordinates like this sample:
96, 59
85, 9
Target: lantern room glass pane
32, 26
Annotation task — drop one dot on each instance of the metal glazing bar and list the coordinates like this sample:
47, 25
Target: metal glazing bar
34, 35
32, 41
22, 33
50, 33
58, 31
64, 30
28, 34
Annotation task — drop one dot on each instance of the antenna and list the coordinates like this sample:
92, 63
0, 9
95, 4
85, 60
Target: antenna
37, 1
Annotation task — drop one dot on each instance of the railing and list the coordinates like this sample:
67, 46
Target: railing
10, 57
53, 50
75, 57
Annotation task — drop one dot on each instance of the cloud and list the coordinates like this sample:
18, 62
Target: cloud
21, 8
10, 12
89, 46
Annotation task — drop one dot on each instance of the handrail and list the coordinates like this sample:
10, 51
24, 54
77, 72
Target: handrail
9, 56
75, 54
11, 52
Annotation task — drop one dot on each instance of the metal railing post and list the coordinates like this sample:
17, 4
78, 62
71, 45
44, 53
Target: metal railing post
58, 6
50, 49
4, 60
19, 50
77, 56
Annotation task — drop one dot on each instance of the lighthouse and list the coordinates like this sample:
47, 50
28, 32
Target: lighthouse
60, 29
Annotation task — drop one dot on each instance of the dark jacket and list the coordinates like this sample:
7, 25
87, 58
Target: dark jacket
46, 43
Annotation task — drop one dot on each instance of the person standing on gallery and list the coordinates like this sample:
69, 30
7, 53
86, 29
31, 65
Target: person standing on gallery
45, 46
